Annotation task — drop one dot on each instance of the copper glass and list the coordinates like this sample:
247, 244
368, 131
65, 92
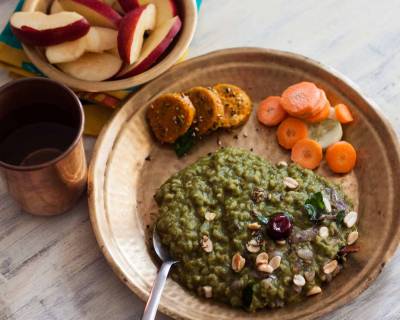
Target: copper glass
41, 149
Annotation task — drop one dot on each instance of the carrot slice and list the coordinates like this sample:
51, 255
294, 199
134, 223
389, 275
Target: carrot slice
341, 157
270, 111
322, 115
307, 153
343, 114
290, 131
300, 99
320, 105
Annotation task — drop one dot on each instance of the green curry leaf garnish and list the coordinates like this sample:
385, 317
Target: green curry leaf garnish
184, 143
290, 216
311, 212
314, 206
317, 201
340, 216
260, 217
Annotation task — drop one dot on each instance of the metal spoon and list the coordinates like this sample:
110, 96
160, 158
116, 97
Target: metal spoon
150, 310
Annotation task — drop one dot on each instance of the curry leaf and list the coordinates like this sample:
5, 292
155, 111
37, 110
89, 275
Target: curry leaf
315, 206
260, 217
184, 143
290, 216
340, 216
311, 212
317, 201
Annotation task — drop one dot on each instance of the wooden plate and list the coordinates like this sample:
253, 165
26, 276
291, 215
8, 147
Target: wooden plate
122, 182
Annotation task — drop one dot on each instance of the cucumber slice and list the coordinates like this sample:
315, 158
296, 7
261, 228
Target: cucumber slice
326, 132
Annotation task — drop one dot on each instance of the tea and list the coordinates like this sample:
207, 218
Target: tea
35, 134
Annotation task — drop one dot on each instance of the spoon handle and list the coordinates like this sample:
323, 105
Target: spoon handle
150, 310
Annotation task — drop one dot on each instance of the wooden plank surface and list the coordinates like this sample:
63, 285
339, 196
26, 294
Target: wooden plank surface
52, 269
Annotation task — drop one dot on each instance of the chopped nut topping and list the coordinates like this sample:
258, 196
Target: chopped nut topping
206, 244
305, 253
254, 226
209, 216
281, 242
262, 258
238, 262
350, 219
314, 290
265, 268
330, 266
253, 246
309, 275
299, 280
282, 164
323, 232
352, 237
258, 195
207, 291
327, 204
275, 262
290, 183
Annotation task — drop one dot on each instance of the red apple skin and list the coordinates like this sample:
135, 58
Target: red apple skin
152, 58
129, 5
174, 7
126, 31
102, 8
50, 37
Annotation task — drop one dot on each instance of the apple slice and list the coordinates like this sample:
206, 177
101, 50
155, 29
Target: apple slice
40, 29
166, 9
132, 29
92, 66
117, 7
96, 12
67, 51
154, 46
98, 39
129, 5
56, 7
114, 51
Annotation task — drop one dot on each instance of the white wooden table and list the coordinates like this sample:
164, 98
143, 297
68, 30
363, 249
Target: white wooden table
52, 269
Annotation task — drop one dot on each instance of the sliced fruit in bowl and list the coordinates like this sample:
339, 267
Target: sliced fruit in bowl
132, 29
92, 66
166, 9
40, 29
96, 12
154, 46
98, 39
128, 5
67, 51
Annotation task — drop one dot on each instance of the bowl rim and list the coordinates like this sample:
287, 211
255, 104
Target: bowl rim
101, 149
177, 51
